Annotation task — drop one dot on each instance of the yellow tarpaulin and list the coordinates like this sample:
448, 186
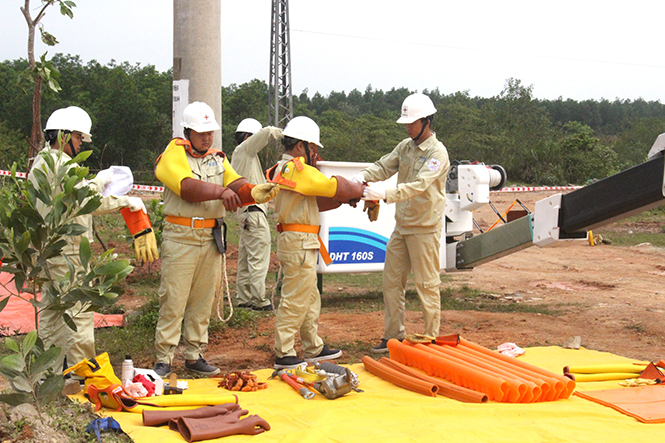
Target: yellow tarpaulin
386, 413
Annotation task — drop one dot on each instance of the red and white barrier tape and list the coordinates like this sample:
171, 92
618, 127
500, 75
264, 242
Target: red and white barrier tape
134, 187
538, 188
515, 189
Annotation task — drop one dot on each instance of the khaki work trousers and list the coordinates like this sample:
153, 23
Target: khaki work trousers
300, 304
76, 345
253, 259
418, 253
186, 296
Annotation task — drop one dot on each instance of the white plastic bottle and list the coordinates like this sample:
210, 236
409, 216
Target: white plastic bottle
127, 370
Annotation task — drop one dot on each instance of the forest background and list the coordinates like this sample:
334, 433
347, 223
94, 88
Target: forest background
538, 142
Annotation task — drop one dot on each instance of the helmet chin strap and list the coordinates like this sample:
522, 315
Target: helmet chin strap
422, 129
307, 152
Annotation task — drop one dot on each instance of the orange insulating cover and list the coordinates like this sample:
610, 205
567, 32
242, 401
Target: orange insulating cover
460, 374
568, 384
645, 403
136, 221
398, 378
469, 365
520, 390
445, 388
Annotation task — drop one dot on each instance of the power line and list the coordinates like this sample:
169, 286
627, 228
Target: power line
492, 51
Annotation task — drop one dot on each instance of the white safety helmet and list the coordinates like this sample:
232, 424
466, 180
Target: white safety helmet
249, 125
199, 117
73, 119
415, 107
303, 128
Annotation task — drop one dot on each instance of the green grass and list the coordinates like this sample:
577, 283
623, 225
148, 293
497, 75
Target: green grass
619, 239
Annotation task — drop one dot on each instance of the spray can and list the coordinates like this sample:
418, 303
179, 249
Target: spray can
127, 369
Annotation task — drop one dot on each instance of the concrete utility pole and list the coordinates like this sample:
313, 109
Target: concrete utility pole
197, 57
280, 109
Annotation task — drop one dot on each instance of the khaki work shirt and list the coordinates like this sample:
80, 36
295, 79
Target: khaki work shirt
420, 195
245, 160
109, 204
292, 207
208, 169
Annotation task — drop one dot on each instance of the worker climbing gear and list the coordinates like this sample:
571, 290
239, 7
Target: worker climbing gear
194, 222
309, 229
199, 117
305, 129
219, 233
249, 125
415, 107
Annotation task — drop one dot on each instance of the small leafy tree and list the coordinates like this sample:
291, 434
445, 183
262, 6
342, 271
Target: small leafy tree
41, 72
28, 241
28, 372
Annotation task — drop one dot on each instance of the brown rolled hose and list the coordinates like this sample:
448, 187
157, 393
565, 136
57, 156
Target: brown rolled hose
398, 378
445, 388
160, 418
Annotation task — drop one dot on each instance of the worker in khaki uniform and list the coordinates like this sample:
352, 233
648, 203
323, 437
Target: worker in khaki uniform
304, 191
421, 164
66, 130
200, 187
254, 241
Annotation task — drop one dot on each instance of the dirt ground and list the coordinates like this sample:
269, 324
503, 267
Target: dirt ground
612, 297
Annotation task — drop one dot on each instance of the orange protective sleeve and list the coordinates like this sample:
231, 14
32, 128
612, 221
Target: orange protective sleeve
460, 374
398, 378
136, 221
245, 194
520, 391
569, 385
445, 388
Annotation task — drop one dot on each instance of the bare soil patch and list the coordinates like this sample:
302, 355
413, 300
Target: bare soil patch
613, 297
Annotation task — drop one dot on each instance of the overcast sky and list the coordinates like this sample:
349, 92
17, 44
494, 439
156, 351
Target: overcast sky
581, 49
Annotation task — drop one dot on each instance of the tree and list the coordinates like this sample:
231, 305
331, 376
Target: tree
41, 72
28, 241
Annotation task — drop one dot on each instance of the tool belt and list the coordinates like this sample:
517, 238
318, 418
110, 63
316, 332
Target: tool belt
309, 229
218, 227
194, 222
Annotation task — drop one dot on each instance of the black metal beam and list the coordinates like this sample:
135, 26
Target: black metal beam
629, 192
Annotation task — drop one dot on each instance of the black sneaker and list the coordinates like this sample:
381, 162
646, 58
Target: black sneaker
288, 362
201, 367
325, 354
381, 348
162, 369
266, 308
242, 306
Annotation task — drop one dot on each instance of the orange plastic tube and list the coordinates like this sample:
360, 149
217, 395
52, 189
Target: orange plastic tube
398, 378
551, 388
522, 390
569, 385
445, 388
460, 374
